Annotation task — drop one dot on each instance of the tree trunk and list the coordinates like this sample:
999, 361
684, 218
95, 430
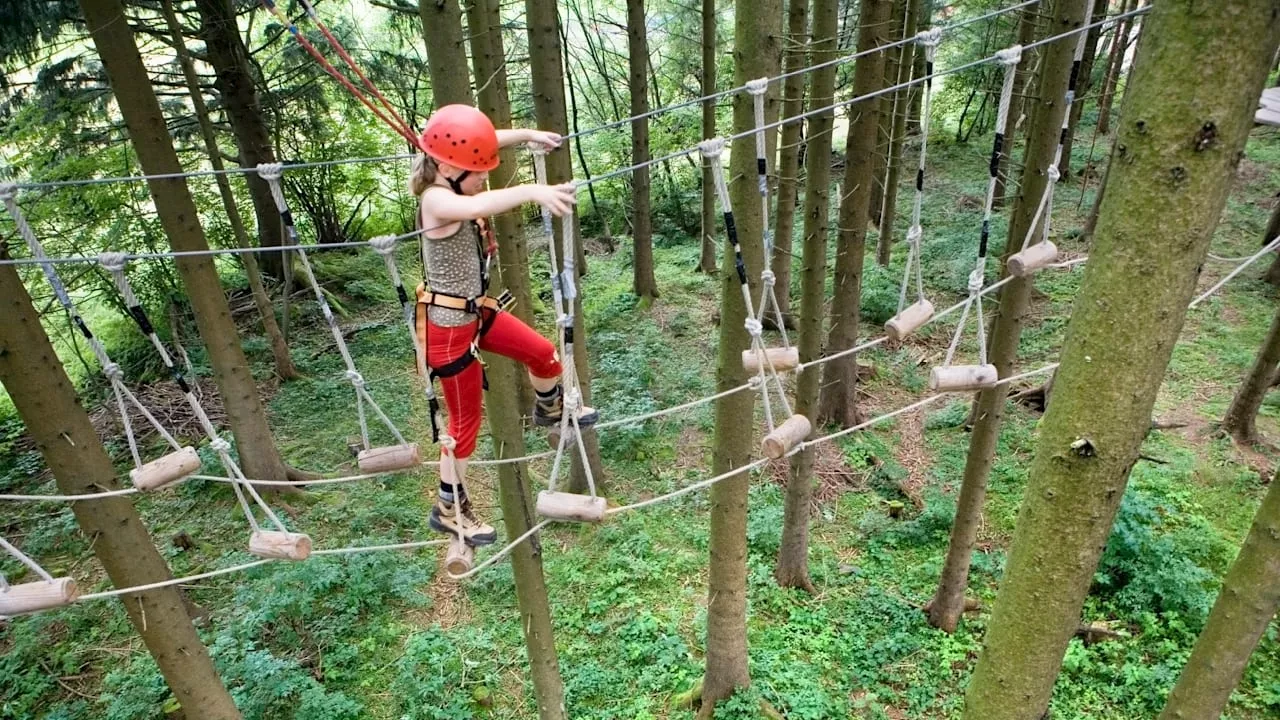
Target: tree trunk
1084, 83
914, 124
643, 283
601, 212
1028, 27
549, 108
488, 59
838, 401
757, 53
1006, 331
1115, 65
260, 459
892, 63
233, 77
897, 129
285, 369
446, 52
793, 556
792, 134
1179, 149
1271, 233
1249, 599
707, 260
1243, 412
47, 403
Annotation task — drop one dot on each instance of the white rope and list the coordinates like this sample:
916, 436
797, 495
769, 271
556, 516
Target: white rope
928, 40
25, 560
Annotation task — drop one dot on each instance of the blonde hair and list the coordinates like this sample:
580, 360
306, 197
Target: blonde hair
423, 174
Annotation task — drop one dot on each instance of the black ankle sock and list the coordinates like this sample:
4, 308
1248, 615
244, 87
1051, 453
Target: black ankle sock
551, 394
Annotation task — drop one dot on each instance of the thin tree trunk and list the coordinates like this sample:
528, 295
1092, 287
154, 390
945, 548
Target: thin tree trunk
1248, 601
1115, 65
707, 259
1084, 83
793, 104
285, 369
1042, 143
233, 77
446, 52
259, 456
1239, 422
549, 108
757, 53
47, 403
892, 63
1028, 26
897, 129
838, 403
643, 283
577, 145
914, 123
488, 60
1164, 199
1272, 275
793, 555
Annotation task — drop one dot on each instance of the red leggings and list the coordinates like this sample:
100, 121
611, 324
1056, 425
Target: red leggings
463, 393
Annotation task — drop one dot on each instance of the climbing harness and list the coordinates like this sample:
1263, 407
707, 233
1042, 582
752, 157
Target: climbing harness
551, 503
779, 438
909, 318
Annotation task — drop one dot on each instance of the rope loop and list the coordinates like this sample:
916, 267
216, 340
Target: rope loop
270, 171
1054, 173
383, 244
448, 443
930, 38
759, 86
356, 378
914, 234
768, 278
113, 372
1011, 55
712, 149
755, 381
8, 191
753, 326
113, 262
572, 401
219, 445
976, 281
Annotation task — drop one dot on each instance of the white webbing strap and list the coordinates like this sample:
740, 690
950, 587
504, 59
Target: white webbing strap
271, 172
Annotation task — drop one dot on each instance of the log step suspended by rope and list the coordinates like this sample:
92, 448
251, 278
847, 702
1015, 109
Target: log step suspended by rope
166, 470
912, 318
786, 436
39, 595
777, 359
963, 378
280, 545
571, 507
389, 458
460, 557
1033, 258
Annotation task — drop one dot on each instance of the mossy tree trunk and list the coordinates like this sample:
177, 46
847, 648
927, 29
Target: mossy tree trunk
1006, 332
643, 283
488, 61
285, 369
1028, 27
1241, 417
897, 123
145, 122
446, 52
1187, 114
1248, 601
838, 401
790, 139
1115, 66
1084, 83
793, 556
757, 53
707, 260
549, 108
234, 80
892, 63
47, 403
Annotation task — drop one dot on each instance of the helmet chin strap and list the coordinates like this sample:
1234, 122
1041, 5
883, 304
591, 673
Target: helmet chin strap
456, 183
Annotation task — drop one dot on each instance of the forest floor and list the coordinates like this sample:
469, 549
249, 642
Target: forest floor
385, 636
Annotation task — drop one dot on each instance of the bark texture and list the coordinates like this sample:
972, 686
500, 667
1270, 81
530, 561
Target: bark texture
1028, 27
790, 140
707, 260
1177, 149
643, 283
446, 52
60, 427
897, 123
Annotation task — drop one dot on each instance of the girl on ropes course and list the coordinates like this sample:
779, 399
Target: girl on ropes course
455, 316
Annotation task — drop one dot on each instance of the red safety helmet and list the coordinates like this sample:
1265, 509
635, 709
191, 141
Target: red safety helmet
461, 136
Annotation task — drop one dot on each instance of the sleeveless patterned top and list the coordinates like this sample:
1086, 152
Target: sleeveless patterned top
452, 267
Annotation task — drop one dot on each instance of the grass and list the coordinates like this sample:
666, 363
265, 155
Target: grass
383, 636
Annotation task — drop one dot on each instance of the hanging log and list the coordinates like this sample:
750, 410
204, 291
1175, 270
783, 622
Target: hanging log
167, 470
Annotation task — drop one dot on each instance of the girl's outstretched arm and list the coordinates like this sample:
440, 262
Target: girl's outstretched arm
449, 207
521, 136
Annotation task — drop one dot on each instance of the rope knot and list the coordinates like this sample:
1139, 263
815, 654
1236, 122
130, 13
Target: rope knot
270, 171
914, 234
113, 371
1054, 173
755, 381
976, 281
219, 445
572, 401
563, 321
758, 86
712, 149
113, 262
8, 191
538, 149
768, 278
753, 326
1011, 55
929, 38
448, 443
356, 378
384, 244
